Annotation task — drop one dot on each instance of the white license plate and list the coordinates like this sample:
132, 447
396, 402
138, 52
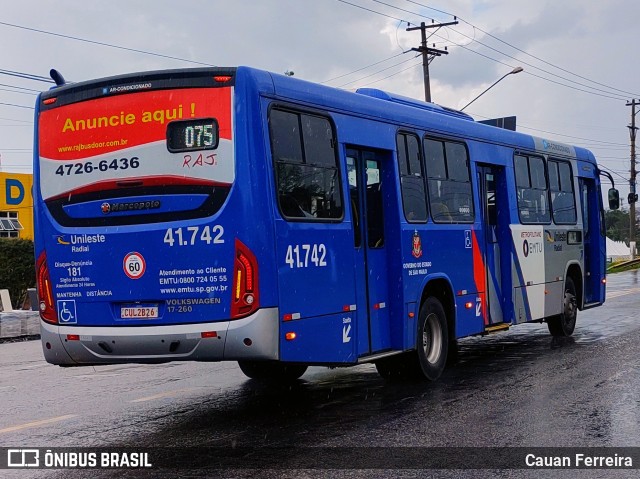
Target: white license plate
138, 312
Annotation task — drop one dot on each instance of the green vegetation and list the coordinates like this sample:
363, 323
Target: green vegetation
624, 266
617, 225
17, 268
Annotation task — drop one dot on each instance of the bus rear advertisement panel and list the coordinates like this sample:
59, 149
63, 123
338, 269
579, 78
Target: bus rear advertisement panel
86, 145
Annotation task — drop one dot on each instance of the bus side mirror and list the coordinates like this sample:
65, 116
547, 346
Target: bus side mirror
614, 199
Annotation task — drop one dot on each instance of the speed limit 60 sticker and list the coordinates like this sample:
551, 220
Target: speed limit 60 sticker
134, 265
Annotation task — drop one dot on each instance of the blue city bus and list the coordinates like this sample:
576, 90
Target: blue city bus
220, 214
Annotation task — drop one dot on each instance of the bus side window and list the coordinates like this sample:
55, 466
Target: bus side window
306, 166
352, 176
563, 202
375, 221
585, 210
411, 178
532, 189
448, 181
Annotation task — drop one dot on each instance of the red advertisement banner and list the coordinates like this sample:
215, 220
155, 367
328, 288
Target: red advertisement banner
89, 128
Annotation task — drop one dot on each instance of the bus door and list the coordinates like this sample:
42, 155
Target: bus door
492, 199
366, 189
594, 258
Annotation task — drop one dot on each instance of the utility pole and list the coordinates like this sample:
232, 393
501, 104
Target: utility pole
633, 197
426, 51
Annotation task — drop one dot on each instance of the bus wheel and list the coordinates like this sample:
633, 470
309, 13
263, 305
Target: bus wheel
564, 323
272, 370
433, 339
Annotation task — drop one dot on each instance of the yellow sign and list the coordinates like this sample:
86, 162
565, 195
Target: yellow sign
16, 205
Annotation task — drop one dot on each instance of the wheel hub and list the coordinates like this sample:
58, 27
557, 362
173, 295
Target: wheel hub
432, 339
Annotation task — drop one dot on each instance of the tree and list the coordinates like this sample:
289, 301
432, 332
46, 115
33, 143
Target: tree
617, 225
17, 268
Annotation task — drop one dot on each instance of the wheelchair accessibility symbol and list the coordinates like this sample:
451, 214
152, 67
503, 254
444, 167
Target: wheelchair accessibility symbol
67, 311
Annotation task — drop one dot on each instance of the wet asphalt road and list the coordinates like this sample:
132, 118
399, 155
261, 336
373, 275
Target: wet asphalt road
516, 388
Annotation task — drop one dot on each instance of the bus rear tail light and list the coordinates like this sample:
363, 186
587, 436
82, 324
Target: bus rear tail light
45, 291
245, 295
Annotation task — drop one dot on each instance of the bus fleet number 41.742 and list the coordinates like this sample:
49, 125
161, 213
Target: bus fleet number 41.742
191, 235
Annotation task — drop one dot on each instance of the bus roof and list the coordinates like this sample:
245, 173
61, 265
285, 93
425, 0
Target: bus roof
417, 113
368, 102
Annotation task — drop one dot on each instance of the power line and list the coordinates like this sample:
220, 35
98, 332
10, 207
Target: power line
618, 97
375, 73
17, 106
520, 50
363, 68
370, 10
19, 87
104, 44
393, 74
403, 10
20, 92
27, 76
541, 77
613, 171
575, 137
19, 121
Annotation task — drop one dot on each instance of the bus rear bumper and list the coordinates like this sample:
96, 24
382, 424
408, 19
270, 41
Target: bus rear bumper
254, 337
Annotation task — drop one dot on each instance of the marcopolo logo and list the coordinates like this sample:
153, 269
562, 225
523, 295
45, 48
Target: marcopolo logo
107, 208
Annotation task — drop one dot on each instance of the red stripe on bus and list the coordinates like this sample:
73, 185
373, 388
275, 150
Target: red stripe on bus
480, 276
143, 181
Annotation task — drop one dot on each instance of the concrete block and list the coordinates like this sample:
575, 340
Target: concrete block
5, 300
10, 325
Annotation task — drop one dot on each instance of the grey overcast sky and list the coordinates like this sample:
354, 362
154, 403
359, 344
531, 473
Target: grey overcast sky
579, 56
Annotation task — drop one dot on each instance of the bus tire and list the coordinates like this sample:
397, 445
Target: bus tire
432, 343
272, 370
565, 323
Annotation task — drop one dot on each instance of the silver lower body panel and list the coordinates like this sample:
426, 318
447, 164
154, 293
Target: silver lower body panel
254, 337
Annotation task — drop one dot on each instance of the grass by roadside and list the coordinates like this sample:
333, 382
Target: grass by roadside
624, 266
